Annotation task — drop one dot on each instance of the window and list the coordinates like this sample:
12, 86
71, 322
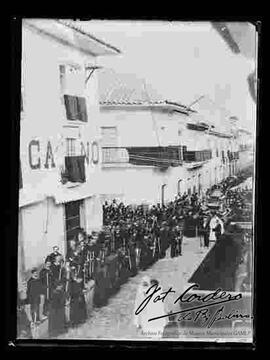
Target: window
74, 164
72, 82
71, 147
75, 169
109, 136
72, 79
75, 108
217, 152
73, 221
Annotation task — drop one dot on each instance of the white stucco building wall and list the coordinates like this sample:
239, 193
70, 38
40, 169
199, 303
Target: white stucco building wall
137, 126
43, 133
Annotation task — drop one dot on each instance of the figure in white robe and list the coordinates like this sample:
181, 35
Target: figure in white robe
213, 223
149, 329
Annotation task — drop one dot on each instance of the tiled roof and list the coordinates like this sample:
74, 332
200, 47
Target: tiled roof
127, 89
118, 88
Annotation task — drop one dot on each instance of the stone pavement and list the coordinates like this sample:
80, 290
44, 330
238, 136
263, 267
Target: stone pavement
115, 320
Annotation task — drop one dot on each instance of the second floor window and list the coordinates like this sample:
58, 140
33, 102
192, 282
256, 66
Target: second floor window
75, 108
109, 136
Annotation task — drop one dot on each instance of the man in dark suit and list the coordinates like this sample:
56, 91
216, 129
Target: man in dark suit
34, 292
217, 230
173, 242
46, 280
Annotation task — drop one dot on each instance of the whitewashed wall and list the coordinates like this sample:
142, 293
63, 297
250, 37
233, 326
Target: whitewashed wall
44, 113
42, 223
143, 184
93, 213
42, 227
137, 127
143, 127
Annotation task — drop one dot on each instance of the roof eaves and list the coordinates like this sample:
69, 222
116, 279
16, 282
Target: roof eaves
92, 37
181, 106
157, 104
138, 102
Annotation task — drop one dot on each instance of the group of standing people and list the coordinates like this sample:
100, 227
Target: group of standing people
48, 293
133, 238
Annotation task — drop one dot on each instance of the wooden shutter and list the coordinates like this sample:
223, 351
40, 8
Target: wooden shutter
82, 109
71, 106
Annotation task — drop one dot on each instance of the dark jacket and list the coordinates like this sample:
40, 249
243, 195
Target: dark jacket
34, 290
46, 280
51, 257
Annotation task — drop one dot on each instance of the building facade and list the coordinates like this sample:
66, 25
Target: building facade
154, 149
60, 154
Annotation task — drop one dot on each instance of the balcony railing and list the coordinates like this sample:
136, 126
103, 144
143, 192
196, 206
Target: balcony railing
197, 156
113, 155
144, 156
233, 155
244, 147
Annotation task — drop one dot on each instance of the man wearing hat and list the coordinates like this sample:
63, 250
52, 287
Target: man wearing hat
51, 257
174, 241
46, 279
93, 252
163, 239
117, 237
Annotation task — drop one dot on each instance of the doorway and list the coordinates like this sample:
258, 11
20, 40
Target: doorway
73, 218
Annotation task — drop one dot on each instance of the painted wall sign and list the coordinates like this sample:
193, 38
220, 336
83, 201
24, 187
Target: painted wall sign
33, 149
90, 151
49, 156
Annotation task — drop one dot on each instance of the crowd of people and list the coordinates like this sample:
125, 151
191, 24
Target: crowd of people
132, 239
46, 295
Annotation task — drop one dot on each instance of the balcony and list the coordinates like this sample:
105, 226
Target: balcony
198, 126
195, 159
74, 170
114, 155
143, 156
233, 155
197, 156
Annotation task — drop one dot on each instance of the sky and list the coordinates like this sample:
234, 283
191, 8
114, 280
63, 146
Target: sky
183, 61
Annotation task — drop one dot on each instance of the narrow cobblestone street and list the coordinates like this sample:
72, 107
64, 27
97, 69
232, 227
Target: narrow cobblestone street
115, 320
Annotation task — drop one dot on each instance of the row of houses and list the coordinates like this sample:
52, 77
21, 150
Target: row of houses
153, 148
89, 135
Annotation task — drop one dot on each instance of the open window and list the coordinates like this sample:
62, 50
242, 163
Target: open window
72, 84
74, 170
76, 108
